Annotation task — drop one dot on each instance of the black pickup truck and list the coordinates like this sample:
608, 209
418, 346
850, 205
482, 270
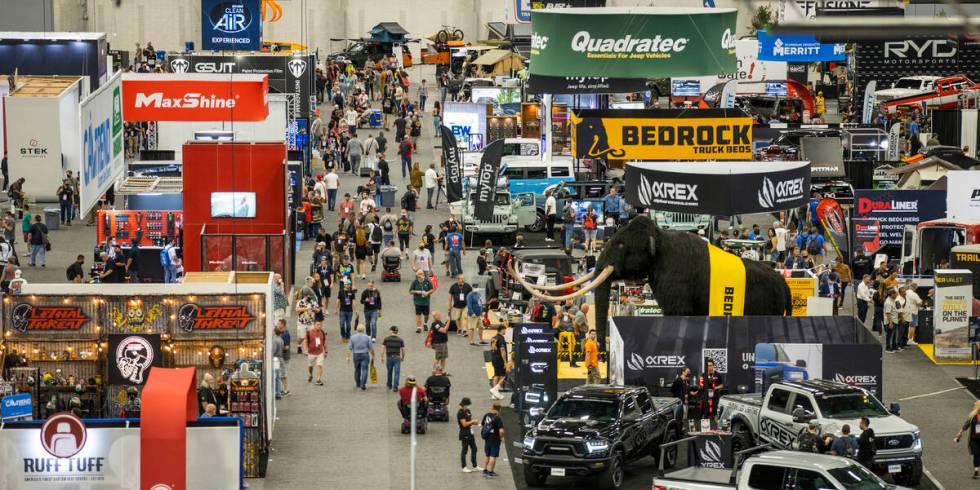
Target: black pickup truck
594, 430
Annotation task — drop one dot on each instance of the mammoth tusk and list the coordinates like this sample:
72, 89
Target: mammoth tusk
556, 299
558, 287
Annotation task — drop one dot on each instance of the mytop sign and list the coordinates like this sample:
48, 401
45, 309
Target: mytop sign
632, 42
234, 25
102, 142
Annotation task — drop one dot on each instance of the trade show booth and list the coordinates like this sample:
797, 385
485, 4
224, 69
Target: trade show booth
56, 53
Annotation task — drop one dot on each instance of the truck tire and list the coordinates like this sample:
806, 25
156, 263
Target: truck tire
538, 224
534, 478
612, 478
741, 438
670, 455
910, 477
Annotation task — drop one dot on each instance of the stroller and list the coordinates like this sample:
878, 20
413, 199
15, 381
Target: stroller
438, 410
391, 268
421, 422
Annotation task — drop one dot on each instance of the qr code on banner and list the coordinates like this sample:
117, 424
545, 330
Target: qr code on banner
720, 356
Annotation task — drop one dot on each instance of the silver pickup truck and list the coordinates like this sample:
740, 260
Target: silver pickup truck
779, 416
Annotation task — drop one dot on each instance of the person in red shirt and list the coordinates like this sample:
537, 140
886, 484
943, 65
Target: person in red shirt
315, 343
405, 392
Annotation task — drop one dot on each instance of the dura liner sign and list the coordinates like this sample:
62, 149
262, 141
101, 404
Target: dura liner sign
633, 42
709, 134
893, 209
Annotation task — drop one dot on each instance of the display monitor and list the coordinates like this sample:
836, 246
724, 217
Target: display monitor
776, 88
232, 204
685, 88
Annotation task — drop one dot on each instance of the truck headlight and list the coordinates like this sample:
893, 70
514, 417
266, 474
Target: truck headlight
597, 446
916, 441
529, 443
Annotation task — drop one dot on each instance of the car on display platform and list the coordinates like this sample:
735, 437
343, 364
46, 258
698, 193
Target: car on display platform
594, 430
907, 86
513, 147
948, 93
557, 266
776, 469
787, 145
671, 220
510, 212
780, 415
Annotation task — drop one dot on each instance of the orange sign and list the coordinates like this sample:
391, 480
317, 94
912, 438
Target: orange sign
194, 97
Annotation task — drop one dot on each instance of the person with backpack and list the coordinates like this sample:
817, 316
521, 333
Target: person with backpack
375, 239
405, 151
410, 202
846, 445
589, 228
168, 260
405, 229
456, 247
388, 224
492, 433
360, 248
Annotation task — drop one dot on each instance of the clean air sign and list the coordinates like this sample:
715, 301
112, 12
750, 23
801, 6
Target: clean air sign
231, 25
102, 142
632, 42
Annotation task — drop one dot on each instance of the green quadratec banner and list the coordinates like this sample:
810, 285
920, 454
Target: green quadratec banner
632, 42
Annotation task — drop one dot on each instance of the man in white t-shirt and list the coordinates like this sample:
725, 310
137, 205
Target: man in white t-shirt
780, 240
912, 304
320, 187
331, 182
351, 117
550, 213
422, 259
431, 179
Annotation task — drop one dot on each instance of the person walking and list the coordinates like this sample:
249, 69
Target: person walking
493, 433
405, 148
355, 148
457, 302
592, 359
286, 354
550, 214
421, 290
361, 351
65, 200
305, 315
440, 341
422, 258
465, 421
315, 344
498, 359
972, 427
405, 229
393, 355
474, 313
423, 95
455, 249
38, 240
345, 310
864, 297
277, 364
331, 183
891, 312
431, 181
371, 303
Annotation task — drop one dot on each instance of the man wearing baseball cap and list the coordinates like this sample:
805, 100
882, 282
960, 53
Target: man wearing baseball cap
392, 355
464, 418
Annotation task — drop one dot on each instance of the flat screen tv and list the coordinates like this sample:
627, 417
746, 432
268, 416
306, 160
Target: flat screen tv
685, 88
232, 204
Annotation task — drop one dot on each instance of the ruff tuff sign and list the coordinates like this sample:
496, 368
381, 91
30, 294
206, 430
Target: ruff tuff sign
709, 134
632, 42
234, 25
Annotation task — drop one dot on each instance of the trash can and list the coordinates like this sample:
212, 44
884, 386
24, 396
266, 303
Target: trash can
388, 196
52, 218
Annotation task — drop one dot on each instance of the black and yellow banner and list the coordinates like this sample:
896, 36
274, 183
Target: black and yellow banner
706, 134
726, 283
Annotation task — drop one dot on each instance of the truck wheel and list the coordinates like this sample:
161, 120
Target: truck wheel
538, 224
742, 440
534, 478
910, 477
670, 455
612, 478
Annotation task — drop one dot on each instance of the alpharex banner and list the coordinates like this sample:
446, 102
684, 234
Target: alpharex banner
718, 188
233, 25
101, 123
893, 209
187, 97
954, 305
708, 134
633, 42
650, 351
773, 47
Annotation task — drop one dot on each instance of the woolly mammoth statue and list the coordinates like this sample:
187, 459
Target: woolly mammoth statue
677, 267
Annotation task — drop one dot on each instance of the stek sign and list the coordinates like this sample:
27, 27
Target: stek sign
195, 97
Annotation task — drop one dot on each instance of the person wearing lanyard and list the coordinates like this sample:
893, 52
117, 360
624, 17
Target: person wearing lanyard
457, 303
345, 309
711, 383
371, 302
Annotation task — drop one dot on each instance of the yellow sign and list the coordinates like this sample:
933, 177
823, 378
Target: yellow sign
726, 284
800, 288
662, 138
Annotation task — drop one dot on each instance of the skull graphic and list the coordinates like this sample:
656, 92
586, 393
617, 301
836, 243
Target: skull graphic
134, 356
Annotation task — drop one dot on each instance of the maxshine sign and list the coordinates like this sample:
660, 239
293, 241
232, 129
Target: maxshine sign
632, 42
102, 141
231, 25
193, 97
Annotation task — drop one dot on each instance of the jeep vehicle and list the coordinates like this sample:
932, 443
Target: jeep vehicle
776, 469
780, 415
558, 267
508, 215
670, 220
594, 430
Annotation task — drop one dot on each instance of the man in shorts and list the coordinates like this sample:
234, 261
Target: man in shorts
474, 317
498, 358
421, 290
457, 303
493, 434
440, 341
315, 343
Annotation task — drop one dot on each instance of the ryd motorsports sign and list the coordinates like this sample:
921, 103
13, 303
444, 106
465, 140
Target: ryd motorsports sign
632, 42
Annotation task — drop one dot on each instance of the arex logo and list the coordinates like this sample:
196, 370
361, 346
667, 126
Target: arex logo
26, 318
652, 192
179, 65
191, 317
785, 190
637, 362
297, 67
856, 379
156, 100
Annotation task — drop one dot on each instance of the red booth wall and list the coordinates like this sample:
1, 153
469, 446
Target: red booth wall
232, 167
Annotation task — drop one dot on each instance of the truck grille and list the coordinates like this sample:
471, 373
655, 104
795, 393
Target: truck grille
560, 448
683, 218
898, 441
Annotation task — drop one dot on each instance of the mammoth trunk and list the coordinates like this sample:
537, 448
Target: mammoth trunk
602, 312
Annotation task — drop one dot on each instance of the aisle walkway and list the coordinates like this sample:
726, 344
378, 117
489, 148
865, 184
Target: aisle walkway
336, 436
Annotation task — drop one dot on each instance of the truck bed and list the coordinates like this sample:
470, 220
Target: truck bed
663, 404
694, 477
748, 399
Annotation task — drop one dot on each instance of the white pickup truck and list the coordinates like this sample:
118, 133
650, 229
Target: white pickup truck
780, 416
777, 469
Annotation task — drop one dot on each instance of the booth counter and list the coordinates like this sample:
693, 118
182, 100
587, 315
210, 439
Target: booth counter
103, 340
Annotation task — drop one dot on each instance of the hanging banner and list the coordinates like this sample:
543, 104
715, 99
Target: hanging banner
954, 306
522, 8
454, 165
131, 356
662, 134
727, 100
776, 47
718, 188
867, 235
186, 97
633, 42
101, 123
869, 102
894, 209
486, 185
542, 84
232, 25
832, 218
963, 194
